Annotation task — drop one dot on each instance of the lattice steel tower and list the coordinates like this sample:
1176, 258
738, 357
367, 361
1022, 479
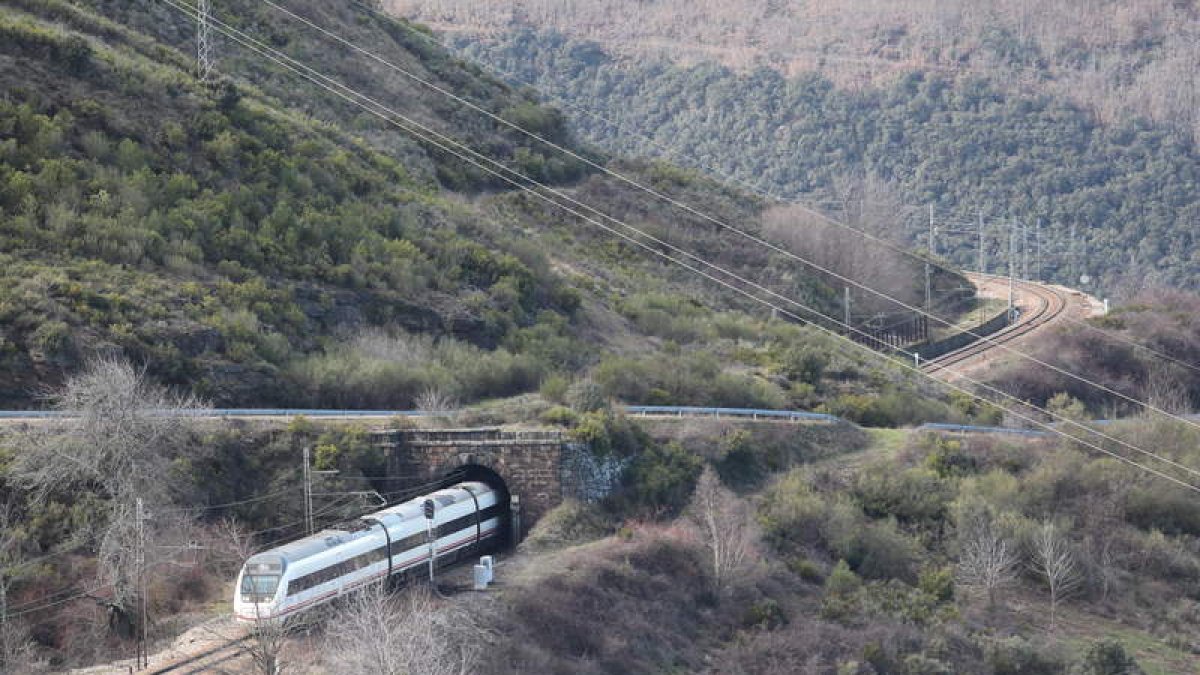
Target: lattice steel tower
204, 63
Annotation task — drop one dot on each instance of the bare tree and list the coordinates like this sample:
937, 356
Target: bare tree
435, 400
119, 438
229, 546
725, 527
265, 643
845, 253
1054, 561
16, 647
986, 560
382, 633
1166, 390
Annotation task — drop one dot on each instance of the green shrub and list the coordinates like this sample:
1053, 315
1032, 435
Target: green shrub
948, 458
560, 415
938, 583
765, 614
587, 396
554, 389
568, 523
1167, 508
889, 409
881, 551
1018, 656
792, 514
610, 434
52, 341
841, 602
914, 496
1108, 657
661, 479
804, 363
806, 570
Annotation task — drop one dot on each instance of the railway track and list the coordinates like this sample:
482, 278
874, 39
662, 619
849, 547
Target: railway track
205, 661
1048, 304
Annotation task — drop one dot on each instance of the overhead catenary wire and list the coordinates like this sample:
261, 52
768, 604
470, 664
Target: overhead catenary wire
733, 229
226, 505
34, 607
358, 99
757, 189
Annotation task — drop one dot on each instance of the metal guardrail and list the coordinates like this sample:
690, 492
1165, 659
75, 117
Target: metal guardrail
244, 412
641, 410
752, 413
678, 411
973, 429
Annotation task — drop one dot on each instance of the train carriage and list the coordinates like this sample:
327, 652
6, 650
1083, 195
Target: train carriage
391, 543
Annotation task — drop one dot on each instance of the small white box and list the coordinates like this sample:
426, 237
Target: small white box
481, 578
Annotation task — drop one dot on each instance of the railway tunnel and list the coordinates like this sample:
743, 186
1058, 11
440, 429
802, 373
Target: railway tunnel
537, 468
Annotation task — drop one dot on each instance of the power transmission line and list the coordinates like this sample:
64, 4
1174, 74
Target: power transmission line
300, 69
757, 189
1013, 264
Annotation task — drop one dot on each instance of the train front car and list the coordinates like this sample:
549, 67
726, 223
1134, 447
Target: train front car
259, 590
393, 543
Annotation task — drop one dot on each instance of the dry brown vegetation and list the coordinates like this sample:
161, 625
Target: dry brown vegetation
1114, 351
1117, 58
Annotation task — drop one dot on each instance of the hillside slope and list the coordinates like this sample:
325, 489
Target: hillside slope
1117, 59
1085, 128
263, 242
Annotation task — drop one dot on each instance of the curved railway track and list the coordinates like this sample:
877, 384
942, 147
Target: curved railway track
1049, 303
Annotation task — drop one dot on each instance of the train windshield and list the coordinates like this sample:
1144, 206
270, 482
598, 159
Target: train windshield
260, 585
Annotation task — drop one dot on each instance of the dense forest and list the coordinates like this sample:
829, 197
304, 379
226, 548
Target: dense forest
260, 242
1114, 202
1116, 59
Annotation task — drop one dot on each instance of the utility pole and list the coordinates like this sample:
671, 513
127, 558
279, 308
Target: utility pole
1037, 245
1025, 251
846, 307
204, 64
1012, 264
982, 261
308, 509
143, 658
928, 268
309, 472
1074, 262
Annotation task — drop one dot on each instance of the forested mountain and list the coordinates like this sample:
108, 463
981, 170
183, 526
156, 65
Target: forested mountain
264, 242
1118, 59
1009, 133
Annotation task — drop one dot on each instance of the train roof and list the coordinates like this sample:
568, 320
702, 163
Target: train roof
352, 530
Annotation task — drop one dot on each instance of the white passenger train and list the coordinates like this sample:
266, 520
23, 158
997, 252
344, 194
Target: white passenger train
391, 543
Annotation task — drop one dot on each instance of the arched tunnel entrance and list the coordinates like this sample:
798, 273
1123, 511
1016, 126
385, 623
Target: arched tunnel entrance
489, 477
537, 467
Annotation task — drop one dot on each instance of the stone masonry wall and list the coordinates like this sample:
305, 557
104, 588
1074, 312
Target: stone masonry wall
531, 463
